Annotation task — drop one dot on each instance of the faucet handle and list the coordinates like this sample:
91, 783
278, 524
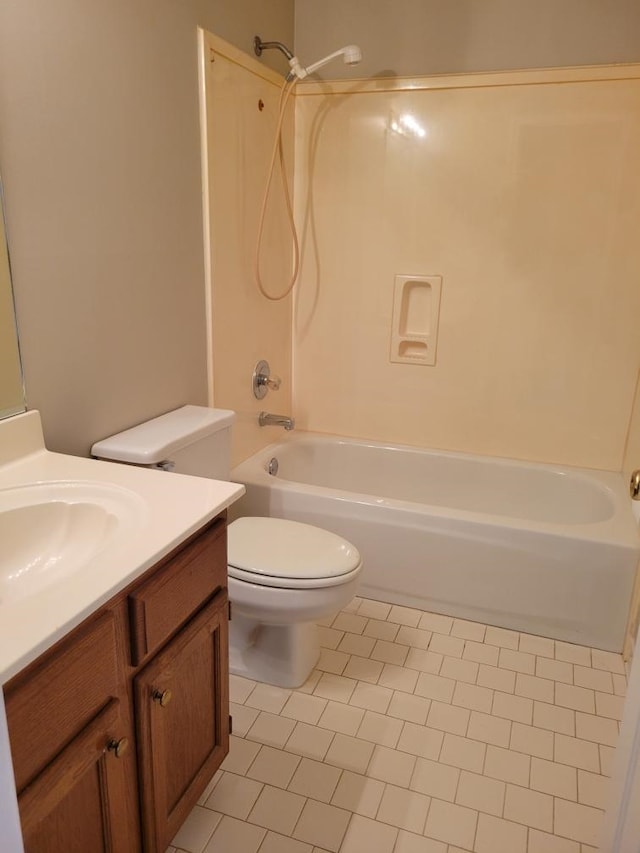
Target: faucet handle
262, 381
272, 382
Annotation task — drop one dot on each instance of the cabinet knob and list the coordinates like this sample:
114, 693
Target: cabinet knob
162, 697
118, 747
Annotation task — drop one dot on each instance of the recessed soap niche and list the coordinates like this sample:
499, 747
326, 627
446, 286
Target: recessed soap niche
414, 322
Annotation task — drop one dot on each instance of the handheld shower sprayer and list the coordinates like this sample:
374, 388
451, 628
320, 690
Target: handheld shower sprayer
351, 55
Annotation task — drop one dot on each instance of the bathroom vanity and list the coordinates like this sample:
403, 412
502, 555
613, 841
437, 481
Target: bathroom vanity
115, 675
131, 707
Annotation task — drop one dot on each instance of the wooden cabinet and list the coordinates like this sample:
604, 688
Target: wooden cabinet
182, 712
103, 760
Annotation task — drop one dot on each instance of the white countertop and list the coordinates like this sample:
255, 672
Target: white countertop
168, 508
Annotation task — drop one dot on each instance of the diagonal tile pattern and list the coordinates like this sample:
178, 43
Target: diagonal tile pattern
418, 733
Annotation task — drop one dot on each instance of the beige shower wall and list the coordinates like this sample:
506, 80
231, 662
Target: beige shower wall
524, 195
242, 112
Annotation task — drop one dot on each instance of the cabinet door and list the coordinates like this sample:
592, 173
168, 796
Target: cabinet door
182, 704
81, 802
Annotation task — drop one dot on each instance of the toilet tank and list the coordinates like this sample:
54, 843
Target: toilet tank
192, 440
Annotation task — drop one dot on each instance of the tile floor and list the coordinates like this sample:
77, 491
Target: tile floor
418, 733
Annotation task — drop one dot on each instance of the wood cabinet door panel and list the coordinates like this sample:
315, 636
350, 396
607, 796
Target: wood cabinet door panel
161, 605
182, 743
82, 801
49, 703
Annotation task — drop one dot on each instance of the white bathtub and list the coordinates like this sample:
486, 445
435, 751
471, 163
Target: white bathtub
537, 548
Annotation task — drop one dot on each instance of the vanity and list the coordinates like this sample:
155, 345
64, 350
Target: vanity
113, 650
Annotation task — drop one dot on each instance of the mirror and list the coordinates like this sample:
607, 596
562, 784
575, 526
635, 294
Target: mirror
11, 384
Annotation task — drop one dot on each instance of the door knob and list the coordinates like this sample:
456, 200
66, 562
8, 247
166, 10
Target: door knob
162, 697
118, 747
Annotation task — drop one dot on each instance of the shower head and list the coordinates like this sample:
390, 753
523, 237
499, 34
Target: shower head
351, 55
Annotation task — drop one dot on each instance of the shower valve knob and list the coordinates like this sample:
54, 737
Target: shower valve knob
262, 380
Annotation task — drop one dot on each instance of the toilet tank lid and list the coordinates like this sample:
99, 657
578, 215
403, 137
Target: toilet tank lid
155, 440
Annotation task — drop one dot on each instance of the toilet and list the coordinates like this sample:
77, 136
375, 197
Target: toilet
284, 576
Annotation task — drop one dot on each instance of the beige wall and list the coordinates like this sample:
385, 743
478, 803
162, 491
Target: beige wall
413, 37
632, 451
100, 155
11, 391
525, 197
246, 327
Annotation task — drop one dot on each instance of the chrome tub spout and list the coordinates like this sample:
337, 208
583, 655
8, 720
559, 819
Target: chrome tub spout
267, 419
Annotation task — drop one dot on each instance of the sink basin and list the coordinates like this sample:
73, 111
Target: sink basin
51, 530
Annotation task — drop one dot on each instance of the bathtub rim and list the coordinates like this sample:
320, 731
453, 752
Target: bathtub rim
619, 529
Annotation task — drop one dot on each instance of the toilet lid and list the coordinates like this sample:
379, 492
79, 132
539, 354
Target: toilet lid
279, 548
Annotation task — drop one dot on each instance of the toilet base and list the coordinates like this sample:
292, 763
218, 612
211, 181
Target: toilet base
283, 655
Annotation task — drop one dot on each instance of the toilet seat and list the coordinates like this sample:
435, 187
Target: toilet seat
276, 552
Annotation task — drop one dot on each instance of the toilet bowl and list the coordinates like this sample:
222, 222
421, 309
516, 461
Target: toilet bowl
283, 576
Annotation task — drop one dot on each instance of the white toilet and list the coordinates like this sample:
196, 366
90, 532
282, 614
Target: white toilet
283, 576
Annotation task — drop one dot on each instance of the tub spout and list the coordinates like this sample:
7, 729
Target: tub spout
267, 419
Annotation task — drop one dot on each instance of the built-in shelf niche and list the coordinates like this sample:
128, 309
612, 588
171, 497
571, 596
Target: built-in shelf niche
414, 322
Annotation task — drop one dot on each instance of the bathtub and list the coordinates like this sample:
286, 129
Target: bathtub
543, 549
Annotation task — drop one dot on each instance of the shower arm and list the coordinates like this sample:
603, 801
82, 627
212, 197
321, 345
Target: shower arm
259, 46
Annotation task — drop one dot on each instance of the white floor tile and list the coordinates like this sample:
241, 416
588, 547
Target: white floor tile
390, 765
500, 836
322, 825
489, 729
419, 733
559, 780
369, 835
578, 822
196, 830
239, 688
435, 687
380, 729
409, 842
403, 808
398, 678
435, 779
531, 808
453, 824
507, 765
274, 843
468, 630
406, 706
273, 767
235, 836
341, 718
243, 718
241, 755
359, 794
371, 697
577, 753
305, 708
481, 793
463, 753
363, 669
271, 729
234, 796
350, 753
277, 810
315, 779
421, 741
335, 687
265, 697
311, 741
